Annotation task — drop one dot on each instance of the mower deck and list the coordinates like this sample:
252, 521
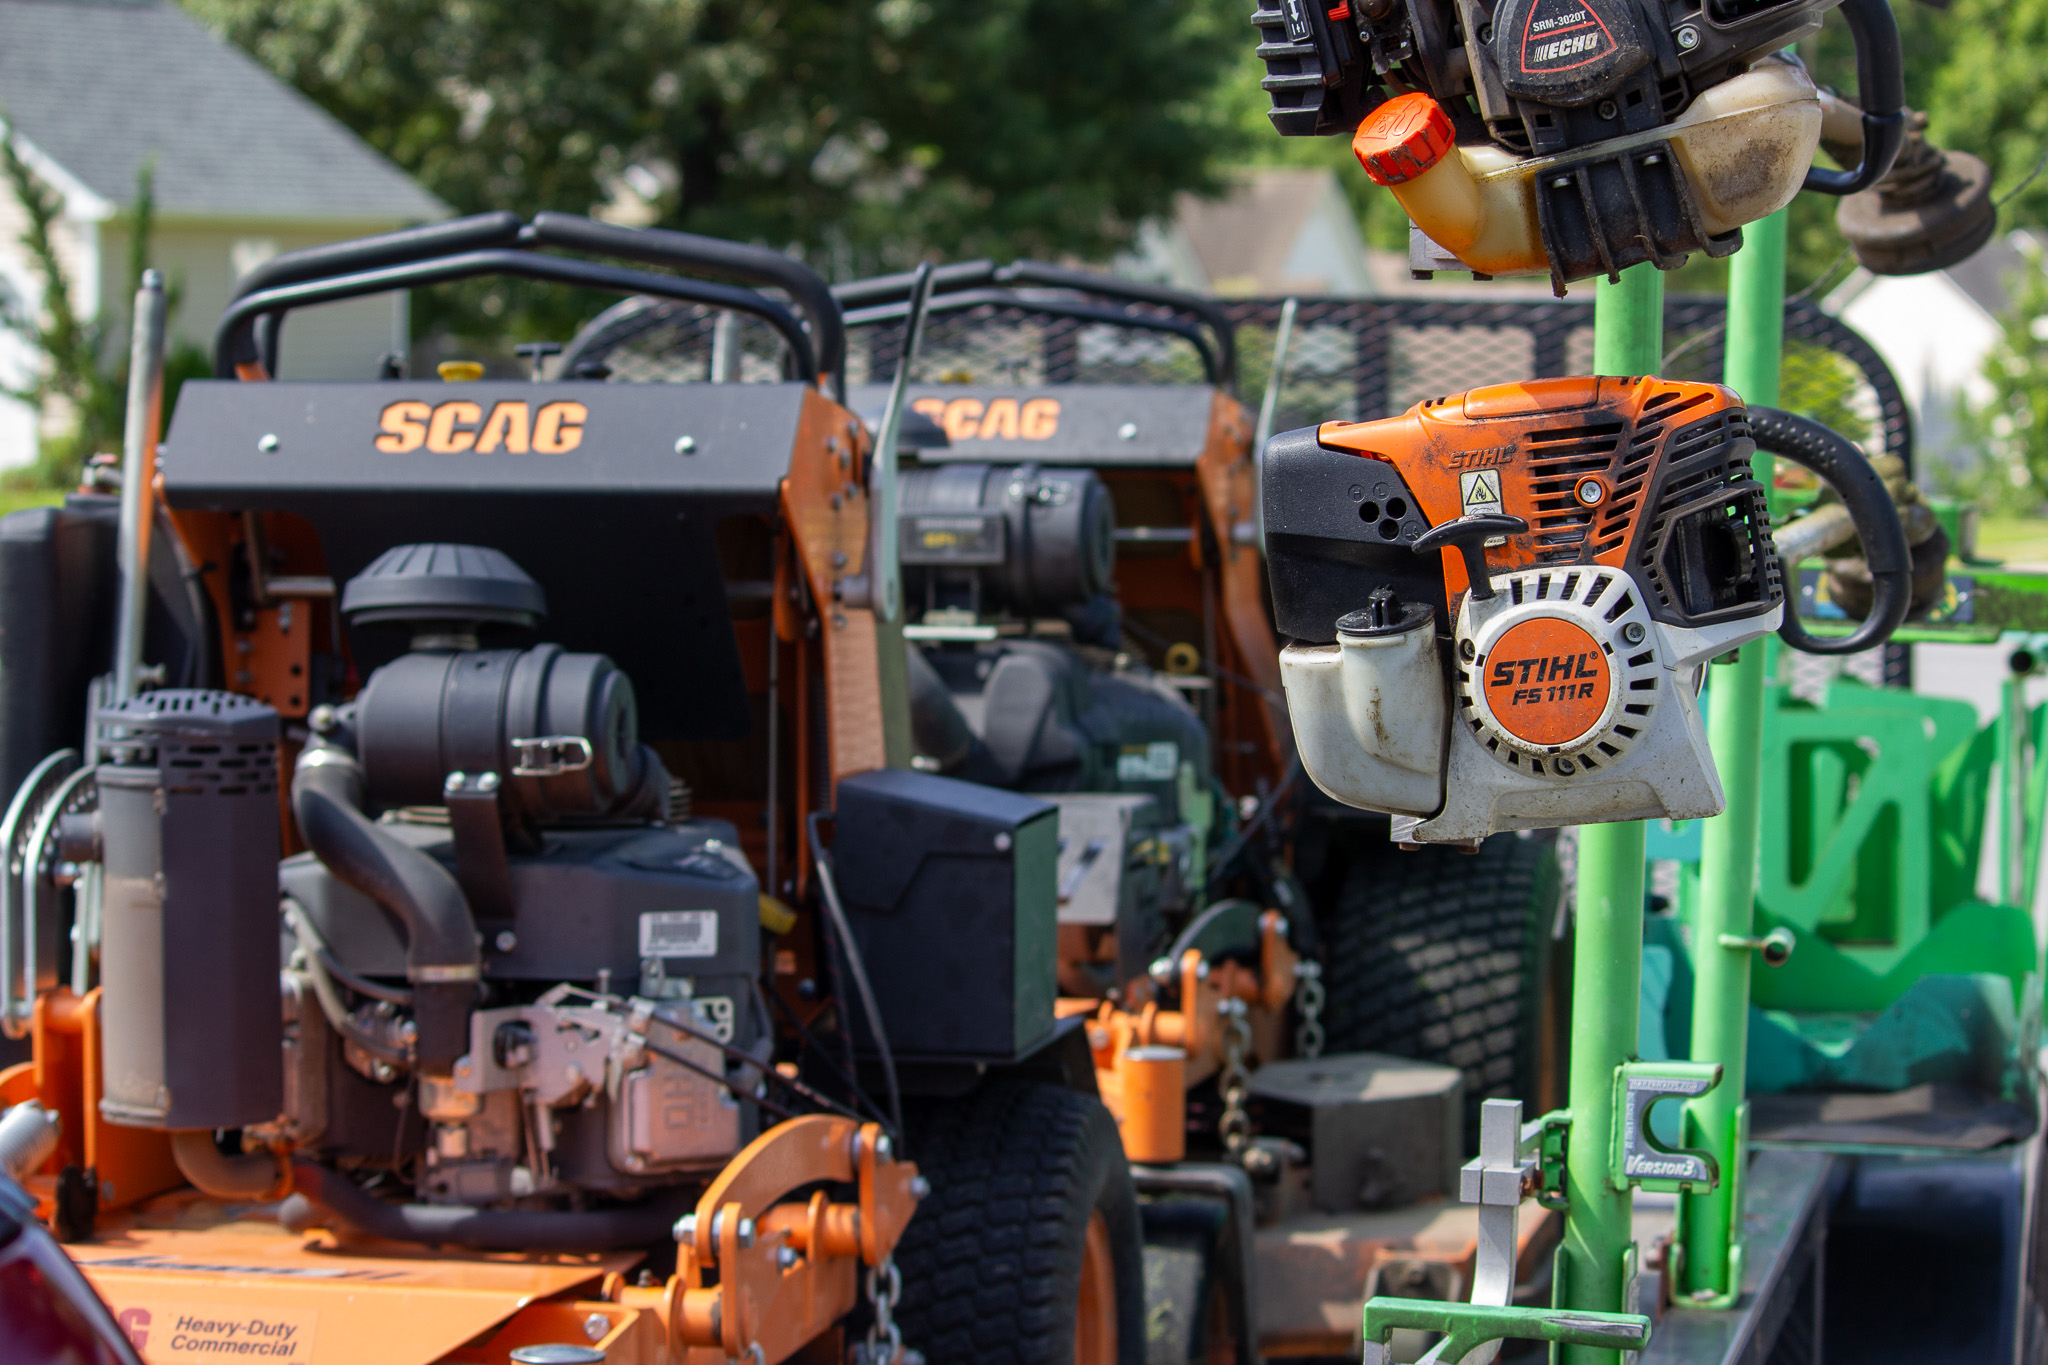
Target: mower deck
190, 1281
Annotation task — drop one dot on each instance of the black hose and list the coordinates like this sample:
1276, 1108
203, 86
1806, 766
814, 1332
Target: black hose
1836, 460
490, 1229
1880, 93
441, 955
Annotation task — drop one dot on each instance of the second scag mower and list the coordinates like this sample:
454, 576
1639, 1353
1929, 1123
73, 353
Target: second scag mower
1500, 600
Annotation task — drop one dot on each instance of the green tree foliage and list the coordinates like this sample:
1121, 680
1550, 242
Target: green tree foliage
82, 363
865, 135
2011, 427
1983, 81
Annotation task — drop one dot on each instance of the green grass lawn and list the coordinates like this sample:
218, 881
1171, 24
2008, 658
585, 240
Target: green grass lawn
14, 499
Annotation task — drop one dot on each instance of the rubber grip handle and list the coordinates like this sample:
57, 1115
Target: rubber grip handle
1835, 459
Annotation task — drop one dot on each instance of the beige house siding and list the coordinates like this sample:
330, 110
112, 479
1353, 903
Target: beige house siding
336, 341
77, 241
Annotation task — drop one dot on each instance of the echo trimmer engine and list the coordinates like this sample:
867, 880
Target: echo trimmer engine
1500, 601
1578, 137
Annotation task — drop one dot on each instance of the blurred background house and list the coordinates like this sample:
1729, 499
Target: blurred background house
244, 167
1936, 331
1279, 230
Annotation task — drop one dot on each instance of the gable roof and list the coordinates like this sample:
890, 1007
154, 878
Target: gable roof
1249, 234
99, 85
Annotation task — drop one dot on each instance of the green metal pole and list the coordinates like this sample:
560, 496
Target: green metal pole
1715, 1122
1607, 952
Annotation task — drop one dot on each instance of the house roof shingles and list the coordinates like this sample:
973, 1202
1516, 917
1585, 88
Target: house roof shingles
1251, 231
99, 85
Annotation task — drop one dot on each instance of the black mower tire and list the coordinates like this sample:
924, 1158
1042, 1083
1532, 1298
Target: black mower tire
992, 1261
1442, 956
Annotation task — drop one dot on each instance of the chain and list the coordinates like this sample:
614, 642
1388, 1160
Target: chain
885, 1338
1236, 1124
1308, 1006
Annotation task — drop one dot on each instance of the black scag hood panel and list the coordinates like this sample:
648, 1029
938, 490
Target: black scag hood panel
1106, 425
582, 484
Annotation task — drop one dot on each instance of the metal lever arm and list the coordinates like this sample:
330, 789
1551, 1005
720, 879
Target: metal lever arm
1467, 1327
1470, 534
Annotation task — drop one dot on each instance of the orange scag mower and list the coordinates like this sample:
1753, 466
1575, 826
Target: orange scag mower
492, 915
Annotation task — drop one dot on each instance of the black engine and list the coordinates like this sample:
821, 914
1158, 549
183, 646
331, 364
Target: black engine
493, 864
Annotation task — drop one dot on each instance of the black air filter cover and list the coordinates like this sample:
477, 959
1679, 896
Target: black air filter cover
1030, 539
456, 583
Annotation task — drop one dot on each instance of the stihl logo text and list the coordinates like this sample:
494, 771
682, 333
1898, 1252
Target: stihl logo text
1485, 458
511, 427
1554, 679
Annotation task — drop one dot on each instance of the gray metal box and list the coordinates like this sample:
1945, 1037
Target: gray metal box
1381, 1131
191, 1010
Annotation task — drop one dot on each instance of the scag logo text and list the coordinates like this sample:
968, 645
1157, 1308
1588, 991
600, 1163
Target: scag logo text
1005, 419
459, 425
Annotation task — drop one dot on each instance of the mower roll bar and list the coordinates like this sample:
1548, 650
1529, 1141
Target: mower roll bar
751, 265
236, 340
972, 298
868, 295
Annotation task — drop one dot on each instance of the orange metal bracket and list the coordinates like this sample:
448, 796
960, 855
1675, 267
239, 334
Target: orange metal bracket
1229, 480
131, 1164
785, 1270
1195, 1027
825, 504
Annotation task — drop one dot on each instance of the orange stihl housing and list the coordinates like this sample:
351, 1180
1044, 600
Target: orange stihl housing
1517, 581
1650, 475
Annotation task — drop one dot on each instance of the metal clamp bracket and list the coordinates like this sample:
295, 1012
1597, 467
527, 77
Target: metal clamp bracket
477, 828
1497, 1180
1546, 1141
1638, 1158
550, 755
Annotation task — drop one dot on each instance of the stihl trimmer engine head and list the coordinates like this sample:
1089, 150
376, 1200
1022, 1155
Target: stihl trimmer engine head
1500, 600
1578, 137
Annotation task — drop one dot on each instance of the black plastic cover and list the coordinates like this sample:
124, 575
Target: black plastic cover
1324, 555
587, 902
1601, 214
1567, 51
950, 887
59, 584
